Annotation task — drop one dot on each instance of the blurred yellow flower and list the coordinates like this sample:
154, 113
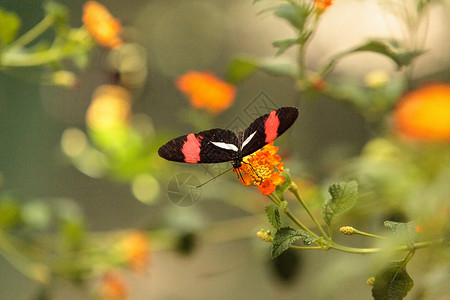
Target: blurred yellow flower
262, 169
110, 108
112, 287
136, 249
206, 91
101, 25
424, 113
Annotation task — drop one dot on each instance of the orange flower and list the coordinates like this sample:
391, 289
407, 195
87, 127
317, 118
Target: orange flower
136, 250
112, 287
262, 169
206, 91
424, 113
102, 25
322, 5
419, 228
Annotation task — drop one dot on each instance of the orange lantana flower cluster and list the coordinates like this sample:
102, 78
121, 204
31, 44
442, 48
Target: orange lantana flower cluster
136, 250
262, 169
101, 25
424, 114
112, 287
206, 91
322, 5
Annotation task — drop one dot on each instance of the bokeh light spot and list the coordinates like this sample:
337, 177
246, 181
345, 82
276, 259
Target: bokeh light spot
73, 142
145, 188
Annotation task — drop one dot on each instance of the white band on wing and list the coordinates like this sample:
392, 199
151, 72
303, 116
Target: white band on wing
247, 140
226, 146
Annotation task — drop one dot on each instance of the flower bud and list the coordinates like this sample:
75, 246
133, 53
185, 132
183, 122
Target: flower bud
347, 230
65, 79
265, 235
370, 281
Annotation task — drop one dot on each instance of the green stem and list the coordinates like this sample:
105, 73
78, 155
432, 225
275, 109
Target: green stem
34, 271
416, 246
14, 59
301, 61
305, 248
288, 213
338, 247
294, 190
34, 32
275, 200
409, 256
356, 231
299, 224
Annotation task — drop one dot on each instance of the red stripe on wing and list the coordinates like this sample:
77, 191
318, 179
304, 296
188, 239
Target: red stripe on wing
271, 126
191, 149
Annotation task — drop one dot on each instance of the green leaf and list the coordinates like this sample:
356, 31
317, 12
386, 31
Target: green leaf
343, 198
295, 14
405, 232
37, 214
273, 215
279, 69
59, 12
393, 282
285, 236
240, 68
73, 234
10, 215
9, 25
389, 48
284, 45
283, 187
308, 239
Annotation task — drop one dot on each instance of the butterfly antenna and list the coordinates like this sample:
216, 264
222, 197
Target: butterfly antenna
211, 179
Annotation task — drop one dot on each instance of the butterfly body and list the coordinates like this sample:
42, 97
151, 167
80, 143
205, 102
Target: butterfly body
222, 145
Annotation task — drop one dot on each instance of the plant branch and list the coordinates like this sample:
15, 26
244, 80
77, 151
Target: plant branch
294, 190
34, 271
34, 32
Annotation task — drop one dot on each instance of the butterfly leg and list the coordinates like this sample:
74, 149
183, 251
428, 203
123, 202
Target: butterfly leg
240, 176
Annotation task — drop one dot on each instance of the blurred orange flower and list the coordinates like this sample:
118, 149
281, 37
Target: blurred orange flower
206, 91
424, 113
102, 25
136, 250
322, 5
419, 228
112, 287
262, 169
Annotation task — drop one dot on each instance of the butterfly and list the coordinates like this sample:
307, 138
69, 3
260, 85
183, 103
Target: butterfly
222, 145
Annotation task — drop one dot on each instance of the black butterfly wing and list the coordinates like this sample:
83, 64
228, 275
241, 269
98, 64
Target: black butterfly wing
267, 128
198, 147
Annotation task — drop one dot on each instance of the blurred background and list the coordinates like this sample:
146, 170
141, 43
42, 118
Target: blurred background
51, 153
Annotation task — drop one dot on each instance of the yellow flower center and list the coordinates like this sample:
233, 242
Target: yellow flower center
260, 173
